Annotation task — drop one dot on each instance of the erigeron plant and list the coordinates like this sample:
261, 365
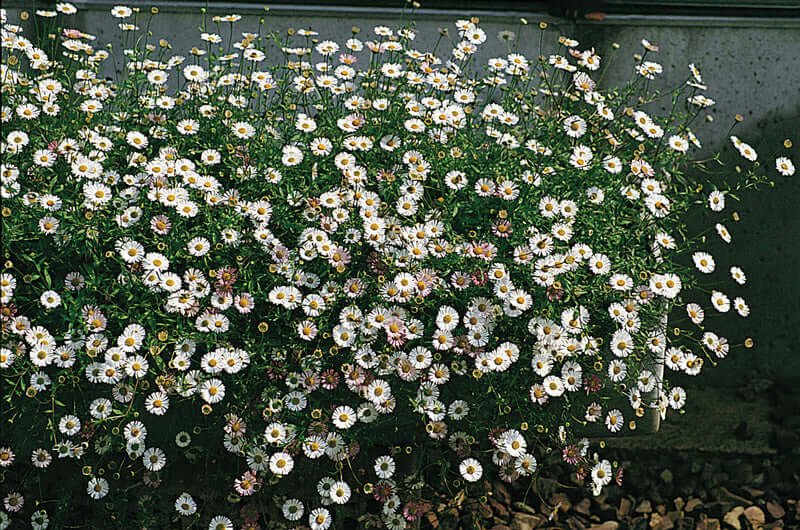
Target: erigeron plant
359, 275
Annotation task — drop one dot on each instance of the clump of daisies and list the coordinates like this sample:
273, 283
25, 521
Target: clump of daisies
298, 283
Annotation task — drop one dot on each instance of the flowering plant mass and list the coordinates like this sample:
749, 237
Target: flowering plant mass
281, 275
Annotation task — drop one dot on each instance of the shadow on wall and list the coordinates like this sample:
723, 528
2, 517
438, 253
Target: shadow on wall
767, 238
754, 72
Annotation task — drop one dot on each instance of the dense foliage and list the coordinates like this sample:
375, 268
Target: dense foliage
280, 275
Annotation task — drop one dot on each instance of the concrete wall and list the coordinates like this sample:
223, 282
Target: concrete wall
752, 67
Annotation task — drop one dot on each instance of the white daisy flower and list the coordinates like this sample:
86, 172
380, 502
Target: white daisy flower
695, 312
69, 425
157, 403
784, 166
344, 417
292, 509
50, 299
738, 275
614, 420
617, 370
471, 469
281, 463
704, 262
678, 144
97, 488
716, 201
320, 519
553, 385
212, 390
600, 264
384, 466
340, 492
154, 459
720, 301
601, 472
185, 504
622, 343
575, 126
220, 522
447, 318
741, 306
677, 398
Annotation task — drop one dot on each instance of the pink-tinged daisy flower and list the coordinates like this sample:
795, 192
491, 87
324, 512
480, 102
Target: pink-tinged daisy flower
6, 456
160, 224
571, 454
538, 394
502, 228
247, 484
235, 426
226, 277
354, 287
460, 280
310, 381
339, 257
329, 379
412, 511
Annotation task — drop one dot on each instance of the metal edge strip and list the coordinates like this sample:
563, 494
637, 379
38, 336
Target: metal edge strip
307, 10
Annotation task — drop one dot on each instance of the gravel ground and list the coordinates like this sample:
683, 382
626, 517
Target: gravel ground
661, 491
